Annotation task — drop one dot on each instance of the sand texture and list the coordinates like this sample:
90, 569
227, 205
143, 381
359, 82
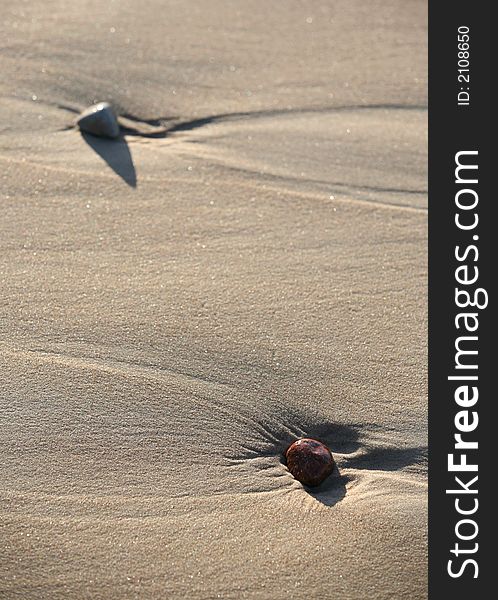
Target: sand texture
246, 266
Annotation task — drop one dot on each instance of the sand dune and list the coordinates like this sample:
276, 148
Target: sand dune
246, 266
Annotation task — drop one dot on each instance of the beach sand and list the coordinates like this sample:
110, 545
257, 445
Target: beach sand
245, 267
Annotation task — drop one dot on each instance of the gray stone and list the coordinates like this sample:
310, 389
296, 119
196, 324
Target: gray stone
100, 120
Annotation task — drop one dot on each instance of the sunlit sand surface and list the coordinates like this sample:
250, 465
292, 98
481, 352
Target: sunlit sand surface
244, 267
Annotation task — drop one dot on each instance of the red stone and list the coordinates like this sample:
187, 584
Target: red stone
310, 461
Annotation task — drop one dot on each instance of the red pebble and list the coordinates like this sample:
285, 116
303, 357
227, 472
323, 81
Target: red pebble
309, 461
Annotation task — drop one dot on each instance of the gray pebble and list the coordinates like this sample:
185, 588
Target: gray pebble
100, 120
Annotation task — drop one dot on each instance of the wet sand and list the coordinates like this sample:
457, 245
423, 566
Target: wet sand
246, 266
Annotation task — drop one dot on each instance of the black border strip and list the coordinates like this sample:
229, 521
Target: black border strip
455, 128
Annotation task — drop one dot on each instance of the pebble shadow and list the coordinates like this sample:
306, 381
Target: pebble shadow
116, 154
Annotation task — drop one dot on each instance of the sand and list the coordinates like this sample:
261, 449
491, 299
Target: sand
245, 267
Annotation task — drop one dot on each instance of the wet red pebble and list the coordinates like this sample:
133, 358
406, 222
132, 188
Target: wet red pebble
310, 461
